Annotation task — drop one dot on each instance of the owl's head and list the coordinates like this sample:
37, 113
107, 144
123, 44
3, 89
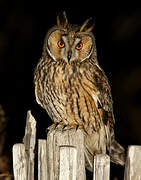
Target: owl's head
70, 42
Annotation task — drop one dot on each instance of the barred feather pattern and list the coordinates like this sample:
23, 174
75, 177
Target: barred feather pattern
78, 93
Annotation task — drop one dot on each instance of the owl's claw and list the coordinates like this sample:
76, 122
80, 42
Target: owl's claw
65, 126
62, 126
77, 127
53, 126
56, 125
72, 126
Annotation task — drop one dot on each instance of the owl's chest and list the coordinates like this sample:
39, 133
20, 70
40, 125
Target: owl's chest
65, 79
73, 94
71, 80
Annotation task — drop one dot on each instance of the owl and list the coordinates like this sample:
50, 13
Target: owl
74, 90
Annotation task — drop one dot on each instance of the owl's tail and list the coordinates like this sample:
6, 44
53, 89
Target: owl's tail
117, 152
117, 156
114, 150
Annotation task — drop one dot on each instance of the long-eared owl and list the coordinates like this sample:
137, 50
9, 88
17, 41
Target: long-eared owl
74, 90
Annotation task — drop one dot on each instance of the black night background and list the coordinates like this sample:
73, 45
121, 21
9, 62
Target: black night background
118, 36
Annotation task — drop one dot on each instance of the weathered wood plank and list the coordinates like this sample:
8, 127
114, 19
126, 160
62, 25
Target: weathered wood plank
30, 133
29, 142
101, 167
23, 154
133, 163
42, 159
57, 139
19, 162
68, 163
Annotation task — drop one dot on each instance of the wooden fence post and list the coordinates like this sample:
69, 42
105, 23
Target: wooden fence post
42, 160
68, 163
29, 142
23, 154
65, 152
101, 167
61, 157
133, 163
19, 162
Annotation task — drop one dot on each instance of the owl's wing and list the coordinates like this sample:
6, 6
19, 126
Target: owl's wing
105, 109
104, 103
38, 87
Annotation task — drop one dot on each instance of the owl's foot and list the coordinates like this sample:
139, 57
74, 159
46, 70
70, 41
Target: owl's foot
71, 126
53, 126
62, 126
57, 125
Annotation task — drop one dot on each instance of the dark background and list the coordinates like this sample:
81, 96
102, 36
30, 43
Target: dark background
22, 30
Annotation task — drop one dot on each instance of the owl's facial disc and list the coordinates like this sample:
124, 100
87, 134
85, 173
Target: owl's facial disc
69, 46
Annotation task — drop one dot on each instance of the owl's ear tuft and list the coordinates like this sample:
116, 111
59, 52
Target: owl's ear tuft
62, 20
88, 25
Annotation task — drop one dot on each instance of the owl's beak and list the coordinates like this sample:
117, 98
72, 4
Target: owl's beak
69, 55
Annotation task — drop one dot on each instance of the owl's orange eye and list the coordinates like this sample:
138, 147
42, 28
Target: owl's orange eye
79, 46
61, 44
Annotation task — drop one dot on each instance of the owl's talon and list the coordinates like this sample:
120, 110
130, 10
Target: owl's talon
77, 126
65, 126
71, 126
53, 126
60, 127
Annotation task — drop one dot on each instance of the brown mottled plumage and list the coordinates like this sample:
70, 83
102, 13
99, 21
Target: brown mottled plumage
74, 90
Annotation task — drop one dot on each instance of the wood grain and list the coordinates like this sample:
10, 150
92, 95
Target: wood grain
101, 167
71, 143
133, 163
42, 159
